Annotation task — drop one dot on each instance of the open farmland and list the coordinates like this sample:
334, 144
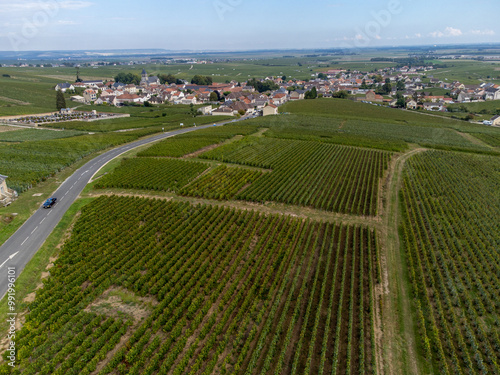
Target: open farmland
451, 208
23, 135
30, 162
248, 293
152, 174
191, 142
365, 125
221, 183
322, 176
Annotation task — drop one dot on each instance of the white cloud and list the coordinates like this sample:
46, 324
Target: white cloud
73, 5
28, 6
482, 32
448, 32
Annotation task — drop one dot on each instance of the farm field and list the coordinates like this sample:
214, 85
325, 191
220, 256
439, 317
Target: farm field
338, 238
249, 293
327, 177
188, 143
451, 239
29, 162
221, 183
24, 135
152, 174
347, 122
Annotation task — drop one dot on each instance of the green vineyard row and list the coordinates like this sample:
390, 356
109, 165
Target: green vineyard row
232, 292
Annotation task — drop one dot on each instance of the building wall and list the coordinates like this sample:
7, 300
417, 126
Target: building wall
3, 188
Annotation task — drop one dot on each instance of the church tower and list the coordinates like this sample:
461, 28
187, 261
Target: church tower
144, 78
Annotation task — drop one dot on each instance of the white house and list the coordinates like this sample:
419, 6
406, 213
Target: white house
128, 98
492, 93
63, 87
205, 110
269, 110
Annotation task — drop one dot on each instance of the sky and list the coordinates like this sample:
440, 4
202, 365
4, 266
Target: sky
243, 24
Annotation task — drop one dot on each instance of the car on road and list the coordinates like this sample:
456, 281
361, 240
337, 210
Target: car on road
50, 202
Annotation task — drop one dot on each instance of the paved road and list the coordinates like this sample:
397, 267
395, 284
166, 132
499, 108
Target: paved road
24, 243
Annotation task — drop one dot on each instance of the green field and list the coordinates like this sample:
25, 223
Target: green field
188, 143
451, 208
312, 174
221, 183
240, 291
152, 174
360, 124
25, 135
30, 162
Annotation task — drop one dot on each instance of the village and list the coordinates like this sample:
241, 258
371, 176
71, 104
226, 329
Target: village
405, 87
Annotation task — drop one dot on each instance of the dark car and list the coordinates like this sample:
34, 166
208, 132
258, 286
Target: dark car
49, 202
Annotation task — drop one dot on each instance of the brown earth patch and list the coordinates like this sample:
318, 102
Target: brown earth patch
120, 302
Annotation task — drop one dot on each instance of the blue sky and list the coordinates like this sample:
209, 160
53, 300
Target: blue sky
243, 24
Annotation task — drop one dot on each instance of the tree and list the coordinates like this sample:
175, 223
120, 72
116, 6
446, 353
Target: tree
311, 94
342, 94
401, 102
213, 96
128, 78
322, 76
193, 110
400, 85
169, 79
201, 80
60, 101
364, 86
262, 86
283, 78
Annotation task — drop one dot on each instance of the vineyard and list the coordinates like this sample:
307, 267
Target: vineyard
231, 292
36, 135
323, 176
451, 208
221, 183
152, 174
187, 143
358, 124
31, 162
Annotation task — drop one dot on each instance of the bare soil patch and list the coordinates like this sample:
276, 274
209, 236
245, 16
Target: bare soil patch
8, 129
201, 151
122, 303
13, 101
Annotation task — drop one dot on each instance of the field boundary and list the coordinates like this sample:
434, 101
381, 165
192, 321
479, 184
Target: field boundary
396, 342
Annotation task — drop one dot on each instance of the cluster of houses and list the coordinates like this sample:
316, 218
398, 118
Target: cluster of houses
239, 98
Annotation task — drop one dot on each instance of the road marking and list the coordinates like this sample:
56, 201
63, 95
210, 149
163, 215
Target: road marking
49, 213
42, 220
25, 241
9, 258
34, 230
66, 193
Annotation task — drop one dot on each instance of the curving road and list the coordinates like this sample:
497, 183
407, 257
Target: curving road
18, 250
